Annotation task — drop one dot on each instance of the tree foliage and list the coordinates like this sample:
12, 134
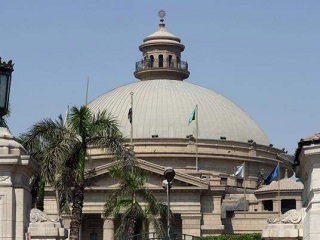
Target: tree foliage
60, 146
125, 203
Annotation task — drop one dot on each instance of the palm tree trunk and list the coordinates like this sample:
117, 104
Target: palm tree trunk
132, 224
40, 195
77, 211
58, 206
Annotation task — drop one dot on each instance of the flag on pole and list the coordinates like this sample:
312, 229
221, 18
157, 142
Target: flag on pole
130, 115
239, 171
193, 115
272, 175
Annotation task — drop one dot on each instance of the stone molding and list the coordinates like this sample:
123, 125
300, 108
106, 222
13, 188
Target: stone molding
43, 227
287, 226
292, 216
196, 183
5, 178
37, 215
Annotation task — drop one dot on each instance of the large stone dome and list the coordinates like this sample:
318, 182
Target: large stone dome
163, 102
162, 107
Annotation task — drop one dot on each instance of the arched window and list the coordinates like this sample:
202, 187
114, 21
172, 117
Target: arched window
151, 60
170, 61
178, 62
160, 60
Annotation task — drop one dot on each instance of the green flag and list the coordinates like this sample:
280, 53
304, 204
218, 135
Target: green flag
193, 115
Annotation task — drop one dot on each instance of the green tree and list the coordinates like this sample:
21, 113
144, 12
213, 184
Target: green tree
47, 142
61, 147
124, 203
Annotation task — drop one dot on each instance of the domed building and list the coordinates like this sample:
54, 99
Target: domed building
201, 134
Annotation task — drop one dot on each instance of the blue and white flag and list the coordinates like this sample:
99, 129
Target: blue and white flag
239, 171
272, 175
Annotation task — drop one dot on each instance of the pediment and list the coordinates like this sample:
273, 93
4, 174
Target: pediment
101, 180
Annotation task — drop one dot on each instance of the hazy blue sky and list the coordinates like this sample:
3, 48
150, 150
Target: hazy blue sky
263, 55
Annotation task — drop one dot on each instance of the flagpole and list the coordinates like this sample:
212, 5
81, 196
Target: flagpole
197, 136
87, 90
244, 188
131, 128
279, 205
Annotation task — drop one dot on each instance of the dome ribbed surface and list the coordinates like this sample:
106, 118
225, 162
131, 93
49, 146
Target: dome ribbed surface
163, 107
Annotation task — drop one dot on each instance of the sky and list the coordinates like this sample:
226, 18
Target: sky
262, 55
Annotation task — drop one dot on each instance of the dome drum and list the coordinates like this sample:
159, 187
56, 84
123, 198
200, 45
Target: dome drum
150, 69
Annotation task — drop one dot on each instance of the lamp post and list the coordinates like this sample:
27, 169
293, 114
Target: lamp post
5, 82
169, 174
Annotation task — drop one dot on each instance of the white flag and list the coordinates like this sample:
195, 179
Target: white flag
239, 171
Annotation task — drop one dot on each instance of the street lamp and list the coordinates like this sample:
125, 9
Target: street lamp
5, 82
169, 174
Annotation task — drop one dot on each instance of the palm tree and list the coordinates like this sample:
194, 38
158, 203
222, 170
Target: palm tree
124, 203
46, 141
64, 150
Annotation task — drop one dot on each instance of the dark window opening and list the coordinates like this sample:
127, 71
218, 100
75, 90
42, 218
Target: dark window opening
239, 182
160, 60
287, 204
151, 60
93, 236
223, 181
170, 61
267, 205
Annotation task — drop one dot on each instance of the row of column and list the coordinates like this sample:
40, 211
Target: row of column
190, 225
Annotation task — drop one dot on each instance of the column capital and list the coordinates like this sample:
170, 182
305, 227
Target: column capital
104, 217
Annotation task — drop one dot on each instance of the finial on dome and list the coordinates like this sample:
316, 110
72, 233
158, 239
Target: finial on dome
161, 14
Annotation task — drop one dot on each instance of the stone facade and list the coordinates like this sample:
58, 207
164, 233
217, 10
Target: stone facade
308, 170
197, 197
16, 168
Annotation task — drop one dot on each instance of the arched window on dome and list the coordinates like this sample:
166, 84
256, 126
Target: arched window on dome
151, 60
170, 64
178, 62
160, 60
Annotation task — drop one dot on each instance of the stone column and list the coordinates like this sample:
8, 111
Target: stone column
276, 203
108, 228
66, 220
16, 168
152, 230
191, 224
309, 172
298, 204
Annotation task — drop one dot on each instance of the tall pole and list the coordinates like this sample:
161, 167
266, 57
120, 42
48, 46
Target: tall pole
279, 202
131, 129
131, 126
197, 136
87, 90
169, 174
168, 209
244, 188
